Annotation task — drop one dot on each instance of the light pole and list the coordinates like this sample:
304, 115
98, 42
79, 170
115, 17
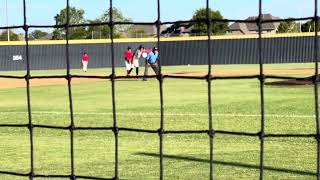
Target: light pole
8, 30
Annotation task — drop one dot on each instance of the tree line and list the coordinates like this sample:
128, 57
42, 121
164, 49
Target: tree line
76, 16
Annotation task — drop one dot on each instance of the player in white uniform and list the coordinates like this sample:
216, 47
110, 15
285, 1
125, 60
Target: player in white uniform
136, 57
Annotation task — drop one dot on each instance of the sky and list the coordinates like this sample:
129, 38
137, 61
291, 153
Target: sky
41, 12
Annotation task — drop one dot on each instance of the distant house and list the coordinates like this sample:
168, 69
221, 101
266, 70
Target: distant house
252, 28
178, 29
49, 36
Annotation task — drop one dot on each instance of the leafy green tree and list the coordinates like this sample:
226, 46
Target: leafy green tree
287, 27
77, 33
100, 32
133, 32
76, 16
57, 35
37, 34
117, 16
200, 25
4, 36
309, 26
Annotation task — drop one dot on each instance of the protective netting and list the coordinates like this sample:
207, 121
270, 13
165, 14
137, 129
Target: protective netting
160, 77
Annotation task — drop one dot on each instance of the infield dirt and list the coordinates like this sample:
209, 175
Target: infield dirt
15, 83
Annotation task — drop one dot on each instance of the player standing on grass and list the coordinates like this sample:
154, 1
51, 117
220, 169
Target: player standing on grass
144, 55
128, 57
136, 57
152, 60
85, 61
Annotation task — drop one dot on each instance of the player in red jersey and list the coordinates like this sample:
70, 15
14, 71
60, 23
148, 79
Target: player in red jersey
128, 57
85, 60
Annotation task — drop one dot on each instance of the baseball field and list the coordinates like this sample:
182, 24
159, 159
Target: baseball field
289, 109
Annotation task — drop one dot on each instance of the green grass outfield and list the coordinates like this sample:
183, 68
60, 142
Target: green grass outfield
236, 107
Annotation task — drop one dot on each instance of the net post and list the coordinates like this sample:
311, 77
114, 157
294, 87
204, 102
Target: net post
261, 80
316, 82
209, 82
69, 78
27, 78
160, 80
113, 76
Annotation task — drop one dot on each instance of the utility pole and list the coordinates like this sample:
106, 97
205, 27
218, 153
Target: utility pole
300, 22
8, 30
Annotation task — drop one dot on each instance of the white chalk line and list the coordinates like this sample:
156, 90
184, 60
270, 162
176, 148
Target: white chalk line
155, 114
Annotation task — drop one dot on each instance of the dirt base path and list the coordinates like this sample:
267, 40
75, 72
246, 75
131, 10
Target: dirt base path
14, 83
243, 72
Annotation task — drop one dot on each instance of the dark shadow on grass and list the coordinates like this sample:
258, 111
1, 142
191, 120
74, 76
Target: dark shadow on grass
235, 164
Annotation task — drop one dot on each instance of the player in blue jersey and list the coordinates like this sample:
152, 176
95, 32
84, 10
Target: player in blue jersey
152, 60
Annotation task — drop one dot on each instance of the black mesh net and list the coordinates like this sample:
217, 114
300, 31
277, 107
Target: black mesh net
160, 77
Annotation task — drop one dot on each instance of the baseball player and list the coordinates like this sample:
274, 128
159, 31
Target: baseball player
128, 60
85, 61
152, 60
136, 57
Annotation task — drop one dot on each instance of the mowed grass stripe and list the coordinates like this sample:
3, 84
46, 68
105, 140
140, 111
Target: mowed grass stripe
155, 114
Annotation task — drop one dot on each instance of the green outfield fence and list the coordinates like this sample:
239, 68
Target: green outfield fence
161, 131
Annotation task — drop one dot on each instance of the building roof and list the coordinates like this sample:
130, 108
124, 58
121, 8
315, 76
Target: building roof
239, 26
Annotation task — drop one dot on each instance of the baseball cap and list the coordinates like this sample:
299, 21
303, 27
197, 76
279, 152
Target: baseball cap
155, 48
